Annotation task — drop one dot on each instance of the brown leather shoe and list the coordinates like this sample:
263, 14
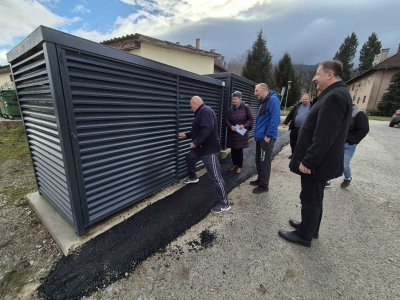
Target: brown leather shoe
238, 170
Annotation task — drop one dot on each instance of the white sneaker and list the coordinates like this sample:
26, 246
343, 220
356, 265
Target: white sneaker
219, 208
196, 180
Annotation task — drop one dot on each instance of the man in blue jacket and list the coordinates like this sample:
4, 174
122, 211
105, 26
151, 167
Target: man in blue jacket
265, 134
205, 146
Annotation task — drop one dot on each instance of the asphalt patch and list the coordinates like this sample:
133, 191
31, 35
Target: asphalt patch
206, 240
115, 253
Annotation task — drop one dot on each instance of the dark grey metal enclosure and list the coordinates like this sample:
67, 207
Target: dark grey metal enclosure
233, 83
102, 124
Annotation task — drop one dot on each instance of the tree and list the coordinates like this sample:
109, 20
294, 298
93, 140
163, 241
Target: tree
346, 54
236, 64
258, 66
285, 72
391, 99
368, 51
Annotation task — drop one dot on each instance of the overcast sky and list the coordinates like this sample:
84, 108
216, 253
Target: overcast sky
309, 30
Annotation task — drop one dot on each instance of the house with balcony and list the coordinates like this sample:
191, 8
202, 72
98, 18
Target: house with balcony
368, 88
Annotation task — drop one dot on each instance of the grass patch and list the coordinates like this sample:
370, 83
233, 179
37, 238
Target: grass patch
16, 193
13, 143
379, 118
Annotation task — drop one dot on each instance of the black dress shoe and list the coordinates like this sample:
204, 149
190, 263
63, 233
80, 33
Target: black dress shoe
260, 189
255, 182
293, 237
296, 224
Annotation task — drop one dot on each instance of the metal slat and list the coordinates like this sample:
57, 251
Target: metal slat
129, 198
120, 189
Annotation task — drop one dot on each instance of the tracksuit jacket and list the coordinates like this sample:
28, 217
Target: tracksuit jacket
204, 133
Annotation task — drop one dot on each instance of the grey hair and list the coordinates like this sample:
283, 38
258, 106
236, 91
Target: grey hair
264, 85
237, 94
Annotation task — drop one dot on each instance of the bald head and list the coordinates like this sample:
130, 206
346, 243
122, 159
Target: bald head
195, 103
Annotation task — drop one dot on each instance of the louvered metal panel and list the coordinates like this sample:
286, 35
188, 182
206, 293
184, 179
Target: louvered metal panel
233, 83
37, 106
102, 124
125, 118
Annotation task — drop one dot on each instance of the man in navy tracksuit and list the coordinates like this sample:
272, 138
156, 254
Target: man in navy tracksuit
205, 146
265, 134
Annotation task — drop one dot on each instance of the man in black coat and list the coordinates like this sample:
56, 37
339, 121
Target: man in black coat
318, 155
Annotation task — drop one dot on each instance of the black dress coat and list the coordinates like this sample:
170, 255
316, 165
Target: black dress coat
239, 115
320, 145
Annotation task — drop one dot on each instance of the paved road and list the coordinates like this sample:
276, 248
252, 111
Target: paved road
356, 257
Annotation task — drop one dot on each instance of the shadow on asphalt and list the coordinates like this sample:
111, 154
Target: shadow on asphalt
115, 253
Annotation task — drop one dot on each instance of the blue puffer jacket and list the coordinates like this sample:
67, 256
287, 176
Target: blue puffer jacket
268, 117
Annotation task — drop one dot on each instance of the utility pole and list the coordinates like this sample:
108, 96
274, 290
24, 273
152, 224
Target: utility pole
288, 88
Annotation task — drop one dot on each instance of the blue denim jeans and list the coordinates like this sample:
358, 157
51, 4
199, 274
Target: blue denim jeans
348, 155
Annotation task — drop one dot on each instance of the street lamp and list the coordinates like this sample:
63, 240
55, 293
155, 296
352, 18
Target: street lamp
288, 88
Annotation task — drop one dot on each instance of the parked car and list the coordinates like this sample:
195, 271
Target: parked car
395, 119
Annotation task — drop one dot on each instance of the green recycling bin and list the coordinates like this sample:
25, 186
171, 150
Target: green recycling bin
9, 105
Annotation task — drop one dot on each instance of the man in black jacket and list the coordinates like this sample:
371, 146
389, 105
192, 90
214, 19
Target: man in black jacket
205, 146
318, 155
358, 129
296, 118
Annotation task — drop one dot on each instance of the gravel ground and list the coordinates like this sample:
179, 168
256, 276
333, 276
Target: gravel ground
356, 256
238, 255
27, 251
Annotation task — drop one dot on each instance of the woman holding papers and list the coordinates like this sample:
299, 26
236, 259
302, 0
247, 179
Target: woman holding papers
239, 121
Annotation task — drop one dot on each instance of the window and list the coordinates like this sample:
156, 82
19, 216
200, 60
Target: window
352, 88
369, 80
354, 98
358, 100
364, 99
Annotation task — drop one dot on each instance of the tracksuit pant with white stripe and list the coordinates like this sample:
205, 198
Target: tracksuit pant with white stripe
213, 167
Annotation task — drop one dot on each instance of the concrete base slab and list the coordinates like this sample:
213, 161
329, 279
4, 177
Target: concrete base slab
63, 233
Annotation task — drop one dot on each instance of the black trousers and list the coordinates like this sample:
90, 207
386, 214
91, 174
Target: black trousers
294, 134
213, 167
263, 161
237, 157
311, 196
